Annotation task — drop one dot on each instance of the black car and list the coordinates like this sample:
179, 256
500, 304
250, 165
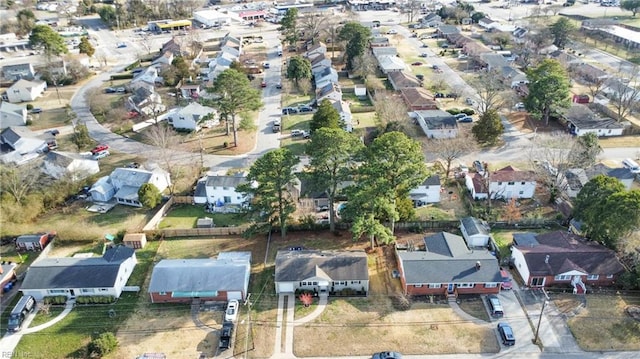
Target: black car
451, 95
439, 95
420, 77
303, 109
506, 334
289, 111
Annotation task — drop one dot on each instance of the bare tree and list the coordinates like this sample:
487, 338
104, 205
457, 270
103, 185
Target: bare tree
312, 24
450, 149
389, 107
625, 92
18, 181
332, 29
166, 141
412, 9
146, 41
364, 65
489, 88
304, 85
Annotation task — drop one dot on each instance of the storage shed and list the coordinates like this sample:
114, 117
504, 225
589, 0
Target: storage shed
135, 240
205, 222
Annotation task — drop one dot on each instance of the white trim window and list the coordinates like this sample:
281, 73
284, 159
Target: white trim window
490, 285
609, 276
417, 285
435, 285
562, 277
593, 277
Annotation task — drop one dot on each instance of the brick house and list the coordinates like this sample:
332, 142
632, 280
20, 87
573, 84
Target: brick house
564, 259
444, 265
418, 99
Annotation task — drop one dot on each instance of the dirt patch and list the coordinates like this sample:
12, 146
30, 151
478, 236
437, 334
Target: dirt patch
527, 124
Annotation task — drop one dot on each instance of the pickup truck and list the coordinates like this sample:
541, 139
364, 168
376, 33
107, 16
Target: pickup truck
225, 336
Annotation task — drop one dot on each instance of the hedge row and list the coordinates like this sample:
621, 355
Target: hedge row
55, 299
95, 299
122, 77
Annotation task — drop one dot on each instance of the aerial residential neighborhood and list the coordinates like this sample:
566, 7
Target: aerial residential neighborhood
358, 179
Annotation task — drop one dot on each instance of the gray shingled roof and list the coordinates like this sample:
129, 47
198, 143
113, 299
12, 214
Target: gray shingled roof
94, 272
294, 266
432, 181
225, 181
29, 238
474, 226
197, 275
448, 260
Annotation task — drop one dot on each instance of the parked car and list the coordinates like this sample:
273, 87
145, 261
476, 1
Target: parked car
469, 101
266, 65
99, 148
451, 95
305, 108
306, 134
36, 110
387, 355
296, 133
466, 119
121, 90
477, 165
263, 84
392, 32
420, 77
438, 95
495, 307
507, 283
100, 155
279, 85
519, 106
506, 334
424, 54
417, 63
323, 208
231, 315
289, 110
109, 90
460, 115
121, 45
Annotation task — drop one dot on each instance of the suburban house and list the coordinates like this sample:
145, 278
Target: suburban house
319, 61
379, 41
401, 80
581, 120
18, 71
223, 61
427, 192
208, 279
190, 91
331, 92
165, 59
505, 183
418, 99
447, 30
7, 275
12, 115
68, 164
123, 185
437, 124
25, 90
135, 240
145, 102
389, 64
492, 61
444, 265
345, 114
34, 242
325, 76
330, 272
379, 52
81, 276
431, 20
315, 50
220, 191
576, 178
513, 77
486, 23
172, 46
564, 259
22, 145
146, 78
475, 232
189, 117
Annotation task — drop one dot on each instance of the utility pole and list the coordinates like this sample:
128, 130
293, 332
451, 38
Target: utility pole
535, 340
247, 302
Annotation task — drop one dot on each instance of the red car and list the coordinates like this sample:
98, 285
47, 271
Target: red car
99, 148
263, 84
417, 63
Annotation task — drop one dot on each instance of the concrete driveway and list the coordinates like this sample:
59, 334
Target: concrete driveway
515, 315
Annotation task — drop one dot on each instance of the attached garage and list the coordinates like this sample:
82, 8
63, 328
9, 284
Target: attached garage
285, 288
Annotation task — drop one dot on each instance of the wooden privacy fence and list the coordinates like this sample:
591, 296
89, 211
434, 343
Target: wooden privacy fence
202, 232
155, 220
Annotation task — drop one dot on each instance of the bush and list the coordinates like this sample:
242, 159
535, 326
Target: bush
132, 66
95, 299
29, 107
55, 299
468, 111
453, 111
122, 77
104, 344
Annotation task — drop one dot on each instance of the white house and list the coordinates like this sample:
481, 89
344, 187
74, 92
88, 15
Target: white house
60, 164
427, 192
220, 191
123, 185
390, 64
505, 183
513, 77
25, 90
331, 92
316, 49
319, 61
345, 114
437, 123
189, 116
146, 79
581, 120
18, 71
145, 102
163, 60
12, 115
80, 276
24, 144
325, 76
474, 232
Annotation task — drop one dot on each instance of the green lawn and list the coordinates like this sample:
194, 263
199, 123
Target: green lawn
432, 212
299, 122
295, 99
186, 215
295, 144
49, 118
364, 119
74, 331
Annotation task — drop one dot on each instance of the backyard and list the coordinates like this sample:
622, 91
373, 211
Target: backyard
186, 216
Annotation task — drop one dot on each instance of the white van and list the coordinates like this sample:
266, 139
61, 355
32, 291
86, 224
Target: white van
631, 165
101, 154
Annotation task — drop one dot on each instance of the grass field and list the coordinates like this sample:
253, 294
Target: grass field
432, 212
604, 325
186, 216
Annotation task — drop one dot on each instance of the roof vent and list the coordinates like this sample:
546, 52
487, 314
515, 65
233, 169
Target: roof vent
546, 259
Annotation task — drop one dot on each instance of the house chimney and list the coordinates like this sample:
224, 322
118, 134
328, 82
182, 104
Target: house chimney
546, 259
478, 265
